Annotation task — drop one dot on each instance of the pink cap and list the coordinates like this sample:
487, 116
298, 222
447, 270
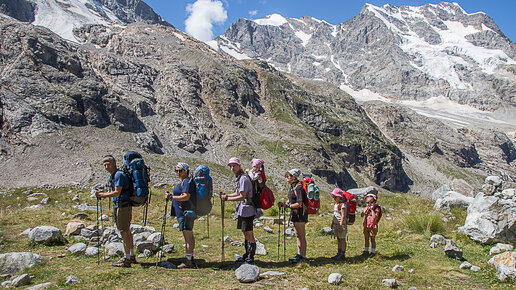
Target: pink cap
370, 195
234, 160
338, 192
257, 162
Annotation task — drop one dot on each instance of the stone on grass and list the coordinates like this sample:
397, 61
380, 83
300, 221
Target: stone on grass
175, 226
77, 248
504, 272
85, 207
465, 265
21, 280
146, 253
26, 232
75, 198
506, 258
247, 273
500, 248
45, 200
91, 251
272, 273
47, 235
74, 228
168, 248
115, 249
72, 280
6, 284
398, 268
268, 229
438, 239
87, 233
475, 268
290, 232
392, 283
452, 250
155, 237
150, 245
434, 245
326, 231
40, 286
411, 271
260, 249
334, 278
81, 216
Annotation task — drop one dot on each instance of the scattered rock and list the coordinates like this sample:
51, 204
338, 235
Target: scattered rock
268, 229
87, 233
91, 251
452, 250
85, 207
453, 199
175, 226
146, 253
504, 272
475, 268
465, 265
434, 245
34, 207
75, 198
26, 232
441, 192
500, 248
247, 273
201, 219
149, 245
290, 232
79, 247
74, 228
6, 284
21, 280
40, 286
104, 217
227, 239
398, 268
392, 283
272, 273
326, 231
506, 258
115, 249
72, 280
12, 263
155, 237
438, 239
45, 200
237, 244
411, 271
168, 248
260, 249
81, 216
334, 278
47, 235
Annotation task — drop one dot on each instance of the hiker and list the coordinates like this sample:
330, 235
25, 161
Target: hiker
258, 179
298, 214
182, 208
339, 223
372, 213
245, 209
121, 191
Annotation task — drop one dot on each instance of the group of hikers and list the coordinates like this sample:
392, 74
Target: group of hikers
246, 184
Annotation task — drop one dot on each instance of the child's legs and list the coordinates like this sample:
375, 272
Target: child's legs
373, 243
366, 238
342, 244
299, 228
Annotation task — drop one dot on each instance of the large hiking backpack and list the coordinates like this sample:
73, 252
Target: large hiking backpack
138, 173
352, 207
204, 190
312, 195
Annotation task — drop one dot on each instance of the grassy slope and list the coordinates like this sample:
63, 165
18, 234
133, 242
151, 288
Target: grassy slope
432, 268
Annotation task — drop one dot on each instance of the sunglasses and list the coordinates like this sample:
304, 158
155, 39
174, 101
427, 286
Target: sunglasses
179, 170
370, 202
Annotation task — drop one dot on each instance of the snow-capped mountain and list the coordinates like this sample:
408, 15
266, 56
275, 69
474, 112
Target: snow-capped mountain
62, 16
428, 53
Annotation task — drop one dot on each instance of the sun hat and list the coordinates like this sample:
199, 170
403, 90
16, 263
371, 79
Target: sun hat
370, 195
234, 160
257, 162
295, 172
338, 192
181, 165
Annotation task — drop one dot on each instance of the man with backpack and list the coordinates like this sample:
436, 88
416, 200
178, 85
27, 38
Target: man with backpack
245, 209
183, 208
121, 191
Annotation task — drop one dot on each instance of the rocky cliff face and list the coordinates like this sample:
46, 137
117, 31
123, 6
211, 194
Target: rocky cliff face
152, 88
403, 53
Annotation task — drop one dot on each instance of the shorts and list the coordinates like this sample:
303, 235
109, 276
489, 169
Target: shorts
245, 223
340, 235
298, 218
123, 218
371, 231
185, 223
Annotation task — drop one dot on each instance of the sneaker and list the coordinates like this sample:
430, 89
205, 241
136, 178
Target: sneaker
340, 255
132, 259
186, 264
249, 260
297, 259
365, 253
123, 262
372, 254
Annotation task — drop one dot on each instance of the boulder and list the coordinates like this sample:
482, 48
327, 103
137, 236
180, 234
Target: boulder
438, 239
79, 247
91, 251
26, 232
507, 259
462, 187
72, 280
47, 235
452, 250
334, 278
491, 219
149, 245
441, 192
155, 237
21, 280
500, 248
360, 193
136, 229
452, 199
247, 273
392, 283
168, 248
115, 249
87, 233
504, 272
74, 228
12, 263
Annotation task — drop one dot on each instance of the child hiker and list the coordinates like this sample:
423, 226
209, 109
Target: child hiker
339, 223
258, 179
372, 213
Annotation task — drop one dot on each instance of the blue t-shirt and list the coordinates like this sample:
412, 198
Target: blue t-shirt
179, 207
120, 179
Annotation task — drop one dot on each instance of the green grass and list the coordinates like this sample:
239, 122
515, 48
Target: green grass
410, 249
424, 223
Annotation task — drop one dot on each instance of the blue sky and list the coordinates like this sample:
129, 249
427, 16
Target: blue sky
214, 18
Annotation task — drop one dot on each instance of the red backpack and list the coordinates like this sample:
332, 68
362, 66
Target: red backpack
266, 196
312, 195
352, 207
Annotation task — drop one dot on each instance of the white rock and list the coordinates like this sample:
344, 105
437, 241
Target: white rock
465, 265
247, 273
12, 263
475, 268
91, 251
398, 268
334, 278
392, 283
260, 249
72, 280
21, 280
46, 235
79, 247
504, 272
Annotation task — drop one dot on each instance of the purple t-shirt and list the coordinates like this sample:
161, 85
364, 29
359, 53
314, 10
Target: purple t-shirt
244, 184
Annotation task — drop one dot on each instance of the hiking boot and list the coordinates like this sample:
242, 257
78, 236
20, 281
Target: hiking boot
186, 264
123, 262
365, 253
297, 259
339, 256
372, 254
132, 259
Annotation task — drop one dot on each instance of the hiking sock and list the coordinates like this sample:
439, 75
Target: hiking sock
128, 256
366, 249
373, 250
189, 257
131, 252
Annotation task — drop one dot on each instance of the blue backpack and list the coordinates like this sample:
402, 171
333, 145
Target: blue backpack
204, 190
134, 167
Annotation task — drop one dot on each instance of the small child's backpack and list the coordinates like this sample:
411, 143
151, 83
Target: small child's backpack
204, 190
379, 216
312, 195
138, 173
352, 207
263, 197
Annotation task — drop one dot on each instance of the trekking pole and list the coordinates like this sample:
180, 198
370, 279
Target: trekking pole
146, 208
222, 214
284, 236
98, 252
279, 230
98, 230
162, 240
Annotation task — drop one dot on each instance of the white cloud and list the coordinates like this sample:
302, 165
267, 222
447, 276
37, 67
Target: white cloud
202, 15
253, 12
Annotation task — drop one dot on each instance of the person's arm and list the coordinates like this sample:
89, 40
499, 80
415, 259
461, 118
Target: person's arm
343, 211
185, 196
237, 196
374, 213
115, 193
